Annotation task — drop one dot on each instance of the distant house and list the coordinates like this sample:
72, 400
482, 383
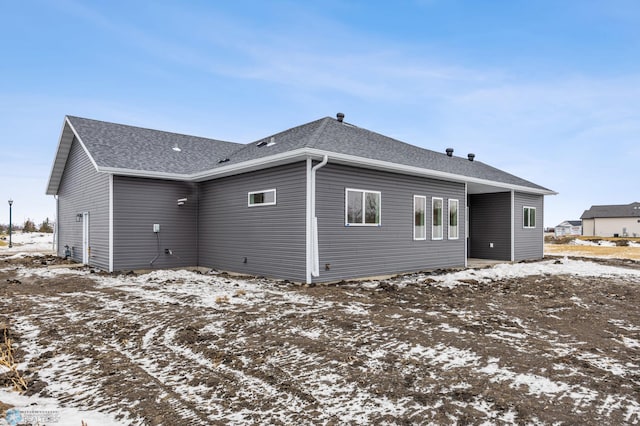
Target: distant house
612, 221
323, 201
568, 227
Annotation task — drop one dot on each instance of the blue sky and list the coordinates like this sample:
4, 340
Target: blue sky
546, 90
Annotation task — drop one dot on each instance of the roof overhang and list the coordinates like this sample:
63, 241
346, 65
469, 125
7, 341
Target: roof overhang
67, 135
474, 185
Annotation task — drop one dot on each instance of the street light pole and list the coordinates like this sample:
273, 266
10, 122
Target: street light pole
10, 224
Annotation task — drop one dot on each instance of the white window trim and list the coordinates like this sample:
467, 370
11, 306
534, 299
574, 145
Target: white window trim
433, 226
535, 215
272, 203
457, 227
424, 201
364, 192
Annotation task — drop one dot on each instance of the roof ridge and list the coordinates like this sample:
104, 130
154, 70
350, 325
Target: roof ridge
316, 134
152, 130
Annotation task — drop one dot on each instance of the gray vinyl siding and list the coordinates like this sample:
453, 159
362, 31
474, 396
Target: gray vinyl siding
139, 203
271, 238
528, 243
490, 223
360, 251
83, 189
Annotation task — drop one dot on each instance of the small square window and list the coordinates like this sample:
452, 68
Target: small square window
362, 207
529, 217
262, 198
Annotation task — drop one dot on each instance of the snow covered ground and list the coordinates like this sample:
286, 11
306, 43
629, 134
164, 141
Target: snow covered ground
511, 343
28, 242
48, 411
316, 355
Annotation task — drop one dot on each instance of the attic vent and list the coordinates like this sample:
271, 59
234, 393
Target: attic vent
176, 148
340, 117
471, 156
224, 160
449, 152
270, 142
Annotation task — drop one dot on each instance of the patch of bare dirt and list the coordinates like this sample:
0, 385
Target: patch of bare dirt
544, 349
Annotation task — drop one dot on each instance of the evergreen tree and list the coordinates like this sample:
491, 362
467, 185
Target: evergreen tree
29, 226
46, 226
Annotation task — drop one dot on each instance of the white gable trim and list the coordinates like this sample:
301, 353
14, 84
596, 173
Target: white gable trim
67, 135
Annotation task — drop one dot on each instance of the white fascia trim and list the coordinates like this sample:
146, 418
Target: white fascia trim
57, 160
257, 164
110, 223
419, 171
144, 174
62, 155
304, 153
82, 144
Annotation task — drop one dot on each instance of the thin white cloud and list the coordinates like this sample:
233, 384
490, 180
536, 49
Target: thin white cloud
575, 133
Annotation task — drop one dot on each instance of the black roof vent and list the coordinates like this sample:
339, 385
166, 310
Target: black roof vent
340, 117
224, 160
449, 152
471, 156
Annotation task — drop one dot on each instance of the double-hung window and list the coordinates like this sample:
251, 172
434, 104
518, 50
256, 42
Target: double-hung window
419, 217
262, 198
362, 208
453, 220
436, 224
529, 217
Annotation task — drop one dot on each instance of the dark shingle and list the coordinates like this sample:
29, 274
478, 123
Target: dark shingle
127, 147
615, 210
138, 149
330, 135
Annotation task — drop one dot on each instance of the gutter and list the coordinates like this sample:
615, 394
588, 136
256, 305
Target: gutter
314, 256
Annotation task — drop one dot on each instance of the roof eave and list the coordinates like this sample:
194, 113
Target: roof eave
302, 153
62, 154
287, 158
145, 174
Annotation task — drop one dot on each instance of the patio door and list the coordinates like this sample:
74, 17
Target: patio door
86, 248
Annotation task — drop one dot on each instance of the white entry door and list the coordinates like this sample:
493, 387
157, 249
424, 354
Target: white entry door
85, 238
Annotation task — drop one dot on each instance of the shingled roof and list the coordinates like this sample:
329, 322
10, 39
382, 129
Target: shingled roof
122, 149
616, 210
333, 136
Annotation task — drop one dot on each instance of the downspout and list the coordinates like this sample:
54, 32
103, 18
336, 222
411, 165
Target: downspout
55, 225
513, 226
315, 256
197, 191
466, 225
111, 254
